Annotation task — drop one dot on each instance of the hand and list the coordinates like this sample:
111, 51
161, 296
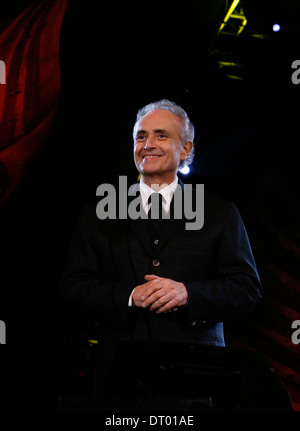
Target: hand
160, 294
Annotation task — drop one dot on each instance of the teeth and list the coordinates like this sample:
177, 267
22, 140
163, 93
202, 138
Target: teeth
150, 157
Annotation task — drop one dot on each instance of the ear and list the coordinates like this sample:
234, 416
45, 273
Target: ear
186, 149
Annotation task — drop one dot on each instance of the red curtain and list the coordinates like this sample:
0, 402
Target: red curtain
29, 46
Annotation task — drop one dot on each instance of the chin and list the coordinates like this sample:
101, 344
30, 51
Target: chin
148, 173
149, 170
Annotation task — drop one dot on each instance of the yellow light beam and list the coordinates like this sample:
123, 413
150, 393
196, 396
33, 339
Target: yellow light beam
229, 13
229, 64
242, 27
238, 78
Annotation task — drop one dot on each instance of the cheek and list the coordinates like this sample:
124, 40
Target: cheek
136, 151
177, 152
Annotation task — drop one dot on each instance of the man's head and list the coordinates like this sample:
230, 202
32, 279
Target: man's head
163, 141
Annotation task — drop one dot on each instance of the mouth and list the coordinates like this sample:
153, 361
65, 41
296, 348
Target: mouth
150, 156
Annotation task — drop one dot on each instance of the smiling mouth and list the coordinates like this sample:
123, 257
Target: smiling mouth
152, 156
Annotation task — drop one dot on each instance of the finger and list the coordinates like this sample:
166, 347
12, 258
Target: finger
153, 288
169, 306
162, 299
142, 291
159, 291
155, 293
165, 294
150, 277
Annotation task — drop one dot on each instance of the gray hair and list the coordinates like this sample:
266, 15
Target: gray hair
189, 131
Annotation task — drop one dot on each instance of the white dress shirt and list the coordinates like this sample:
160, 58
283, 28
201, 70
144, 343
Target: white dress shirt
166, 191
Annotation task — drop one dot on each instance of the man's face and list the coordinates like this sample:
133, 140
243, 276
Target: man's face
157, 146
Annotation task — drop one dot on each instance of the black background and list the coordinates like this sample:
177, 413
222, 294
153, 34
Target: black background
114, 59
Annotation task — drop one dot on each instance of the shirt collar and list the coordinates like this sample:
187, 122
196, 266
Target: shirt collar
167, 193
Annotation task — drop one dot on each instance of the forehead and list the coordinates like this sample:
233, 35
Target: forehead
160, 119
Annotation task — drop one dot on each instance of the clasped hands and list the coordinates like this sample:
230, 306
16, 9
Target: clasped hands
162, 295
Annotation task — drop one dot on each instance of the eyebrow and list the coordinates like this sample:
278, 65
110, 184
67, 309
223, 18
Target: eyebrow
143, 132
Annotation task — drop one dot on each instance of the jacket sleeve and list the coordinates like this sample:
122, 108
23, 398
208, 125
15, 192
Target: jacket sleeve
235, 289
82, 285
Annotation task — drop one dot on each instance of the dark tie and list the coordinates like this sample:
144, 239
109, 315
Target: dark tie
155, 212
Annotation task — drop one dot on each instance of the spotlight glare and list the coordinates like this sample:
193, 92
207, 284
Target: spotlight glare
276, 27
185, 170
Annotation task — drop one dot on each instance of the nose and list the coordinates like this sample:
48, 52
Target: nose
149, 142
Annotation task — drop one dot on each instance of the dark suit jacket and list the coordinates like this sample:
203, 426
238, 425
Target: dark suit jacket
108, 258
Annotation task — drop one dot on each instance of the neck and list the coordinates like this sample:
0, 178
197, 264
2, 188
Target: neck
157, 182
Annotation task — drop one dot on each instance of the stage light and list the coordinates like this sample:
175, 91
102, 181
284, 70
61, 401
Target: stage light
276, 27
185, 170
228, 14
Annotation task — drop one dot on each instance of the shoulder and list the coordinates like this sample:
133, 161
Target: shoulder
222, 212
212, 203
219, 203
217, 210
88, 211
87, 217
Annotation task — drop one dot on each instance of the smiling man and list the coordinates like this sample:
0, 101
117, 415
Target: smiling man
152, 279
163, 140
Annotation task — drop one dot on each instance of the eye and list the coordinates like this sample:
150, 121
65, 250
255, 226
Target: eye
140, 138
161, 136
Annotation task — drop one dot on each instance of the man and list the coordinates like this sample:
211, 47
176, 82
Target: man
171, 284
